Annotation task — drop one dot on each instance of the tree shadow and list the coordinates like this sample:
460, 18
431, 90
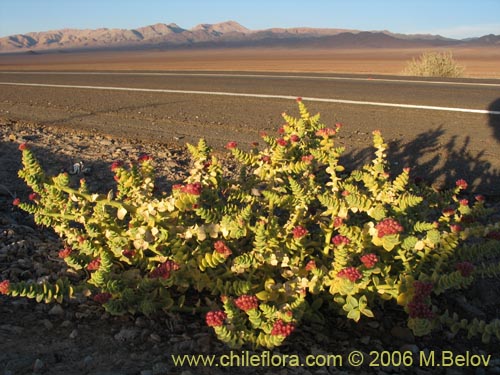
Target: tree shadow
437, 160
494, 118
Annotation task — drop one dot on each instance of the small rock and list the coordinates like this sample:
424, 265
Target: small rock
160, 368
155, 337
47, 324
88, 361
365, 340
73, 334
141, 322
373, 324
38, 365
127, 334
66, 324
56, 310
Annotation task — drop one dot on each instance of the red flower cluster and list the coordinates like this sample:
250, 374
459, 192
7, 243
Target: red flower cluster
116, 164
94, 264
465, 268
294, 138
144, 157
16, 202
281, 130
23, 146
340, 240
222, 248
463, 202
282, 329
299, 232
455, 228
462, 184
480, 198
65, 252
128, 253
266, 159
163, 270
246, 302
350, 273
369, 260
231, 145
5, 287
448, 212
193, 189
215, 318
102, 298
337, 222
281, 142
418, 307
311, 265
307, 159
326, 132
388, 226
33, 197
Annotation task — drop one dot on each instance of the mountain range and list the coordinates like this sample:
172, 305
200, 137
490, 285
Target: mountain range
225, 34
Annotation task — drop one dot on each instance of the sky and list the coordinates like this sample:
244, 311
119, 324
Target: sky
450, 18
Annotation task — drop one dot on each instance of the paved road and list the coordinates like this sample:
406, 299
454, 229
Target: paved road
446, 127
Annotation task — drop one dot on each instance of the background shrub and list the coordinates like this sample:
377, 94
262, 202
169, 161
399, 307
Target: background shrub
434, 64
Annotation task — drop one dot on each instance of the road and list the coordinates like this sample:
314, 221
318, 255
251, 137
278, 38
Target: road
448, 129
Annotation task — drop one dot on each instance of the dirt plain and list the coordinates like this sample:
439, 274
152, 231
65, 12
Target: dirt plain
479, 62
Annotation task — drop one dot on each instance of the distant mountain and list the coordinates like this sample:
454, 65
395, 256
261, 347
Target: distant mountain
224, 34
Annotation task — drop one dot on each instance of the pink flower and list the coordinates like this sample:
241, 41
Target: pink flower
33, 197
16, 202
281, 130
350, 273
246, 302
222, 248
266, 159
163, 270
417, 308
369, 260
345, 193
282, 329
388, 226
340, 240
339, 125
480, 198
422, 288
94, 264
23, 146
463, 202
193, 189
307, 159
337, 222
299, 99
311, 265
116, 164
465, 268
5, 287
299, 232
215, 318
294, 138
65, 252
144, 157
326, 132
455, 228
462, 184
231, 145
128, 253
102, 298
448, 212
281, 142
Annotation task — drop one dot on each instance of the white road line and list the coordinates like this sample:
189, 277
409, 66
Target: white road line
221, 93
234, 75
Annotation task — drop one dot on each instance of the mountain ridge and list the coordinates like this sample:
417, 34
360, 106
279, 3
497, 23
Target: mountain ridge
224, 34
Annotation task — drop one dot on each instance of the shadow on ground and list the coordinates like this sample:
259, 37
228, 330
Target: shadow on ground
437, 159
494, 119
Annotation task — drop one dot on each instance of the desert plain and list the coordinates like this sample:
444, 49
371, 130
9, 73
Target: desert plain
479, 62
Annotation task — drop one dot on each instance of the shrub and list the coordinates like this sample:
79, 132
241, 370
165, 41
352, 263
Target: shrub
290, 237
434, 64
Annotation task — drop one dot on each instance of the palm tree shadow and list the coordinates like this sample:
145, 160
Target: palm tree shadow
494, 118
436, 159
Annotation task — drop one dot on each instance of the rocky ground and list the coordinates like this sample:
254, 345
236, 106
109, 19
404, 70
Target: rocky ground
77, 337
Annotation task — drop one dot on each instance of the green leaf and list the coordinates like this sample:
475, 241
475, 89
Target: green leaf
354, 315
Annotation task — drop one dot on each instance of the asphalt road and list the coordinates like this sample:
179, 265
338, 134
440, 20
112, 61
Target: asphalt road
448, 129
